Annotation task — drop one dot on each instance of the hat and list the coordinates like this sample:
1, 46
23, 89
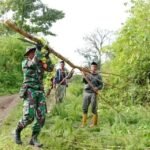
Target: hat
93, 63
29, 49
62, 62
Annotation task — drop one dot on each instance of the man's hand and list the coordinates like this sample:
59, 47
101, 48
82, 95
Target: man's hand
47, 54
45, 66
43, 42
63, 80
72, 71
39, 46
85, 73
96, 90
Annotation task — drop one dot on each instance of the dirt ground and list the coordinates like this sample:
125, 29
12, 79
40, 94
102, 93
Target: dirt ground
7, 103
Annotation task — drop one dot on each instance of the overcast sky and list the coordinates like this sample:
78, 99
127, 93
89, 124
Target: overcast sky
81, 18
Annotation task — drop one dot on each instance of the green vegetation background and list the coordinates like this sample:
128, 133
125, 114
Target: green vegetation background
126, 128
124, 110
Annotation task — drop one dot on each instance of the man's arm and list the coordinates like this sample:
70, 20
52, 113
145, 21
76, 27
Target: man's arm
69, 75
48, 65
55, 80
99, 82
37, 57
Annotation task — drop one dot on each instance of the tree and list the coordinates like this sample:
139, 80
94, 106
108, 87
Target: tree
132, 59
95, 43
11, 55
31, 15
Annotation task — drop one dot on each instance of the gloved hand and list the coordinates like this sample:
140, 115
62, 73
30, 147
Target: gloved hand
39, 46
47, 54
43, 42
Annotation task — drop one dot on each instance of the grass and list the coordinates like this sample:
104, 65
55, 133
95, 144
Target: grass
129, 128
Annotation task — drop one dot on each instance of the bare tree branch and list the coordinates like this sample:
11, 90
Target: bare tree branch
96, 42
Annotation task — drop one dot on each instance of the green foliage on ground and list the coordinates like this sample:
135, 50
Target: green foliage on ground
123, 122
127, 128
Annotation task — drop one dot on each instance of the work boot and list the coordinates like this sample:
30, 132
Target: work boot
84, 119
94, 120
18, 135
34, 140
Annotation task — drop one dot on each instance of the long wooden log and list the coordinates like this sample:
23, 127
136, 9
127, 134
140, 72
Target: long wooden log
35, 39
13, 26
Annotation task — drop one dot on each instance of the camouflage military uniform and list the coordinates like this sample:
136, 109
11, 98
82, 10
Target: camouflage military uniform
32, 92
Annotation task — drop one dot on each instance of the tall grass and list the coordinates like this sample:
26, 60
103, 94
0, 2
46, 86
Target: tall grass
128, 128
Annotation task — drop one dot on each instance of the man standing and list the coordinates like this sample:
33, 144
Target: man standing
90, 94
60, 81
32, 92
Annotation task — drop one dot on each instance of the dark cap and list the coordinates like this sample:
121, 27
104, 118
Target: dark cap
93, 63
29, 49
62, 62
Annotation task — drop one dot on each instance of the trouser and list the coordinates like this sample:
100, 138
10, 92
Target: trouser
34, 108
89, 98
60, 92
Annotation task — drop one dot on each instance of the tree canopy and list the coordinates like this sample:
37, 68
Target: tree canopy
131, 54
31, 15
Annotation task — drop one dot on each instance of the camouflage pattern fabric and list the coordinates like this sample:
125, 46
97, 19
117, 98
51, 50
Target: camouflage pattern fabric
34, 107
32, 92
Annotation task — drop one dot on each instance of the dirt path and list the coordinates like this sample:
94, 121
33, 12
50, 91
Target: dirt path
7, 103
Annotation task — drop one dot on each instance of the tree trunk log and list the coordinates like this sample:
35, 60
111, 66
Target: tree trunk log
32, 38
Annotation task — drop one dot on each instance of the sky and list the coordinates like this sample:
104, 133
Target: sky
83, 17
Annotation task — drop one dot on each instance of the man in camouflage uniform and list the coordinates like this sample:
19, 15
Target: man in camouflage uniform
60, 81
90, 94
32, 92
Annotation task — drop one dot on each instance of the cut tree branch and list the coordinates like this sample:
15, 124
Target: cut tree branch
32, 38
13, 26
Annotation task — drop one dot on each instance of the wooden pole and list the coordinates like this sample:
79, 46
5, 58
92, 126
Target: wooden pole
13, 26
51, 50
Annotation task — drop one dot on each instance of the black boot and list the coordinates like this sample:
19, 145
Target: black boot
34, 140
18, 135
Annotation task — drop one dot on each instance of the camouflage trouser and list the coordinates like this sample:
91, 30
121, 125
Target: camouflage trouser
87, 99
60, 92
34, 107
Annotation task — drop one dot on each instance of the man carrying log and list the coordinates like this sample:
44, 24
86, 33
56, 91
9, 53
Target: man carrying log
32, 92
93, 83
60, 81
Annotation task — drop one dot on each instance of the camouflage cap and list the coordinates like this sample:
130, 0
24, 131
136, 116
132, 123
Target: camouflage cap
29, 49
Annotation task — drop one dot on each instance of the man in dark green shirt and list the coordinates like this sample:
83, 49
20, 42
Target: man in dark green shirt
90, 93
